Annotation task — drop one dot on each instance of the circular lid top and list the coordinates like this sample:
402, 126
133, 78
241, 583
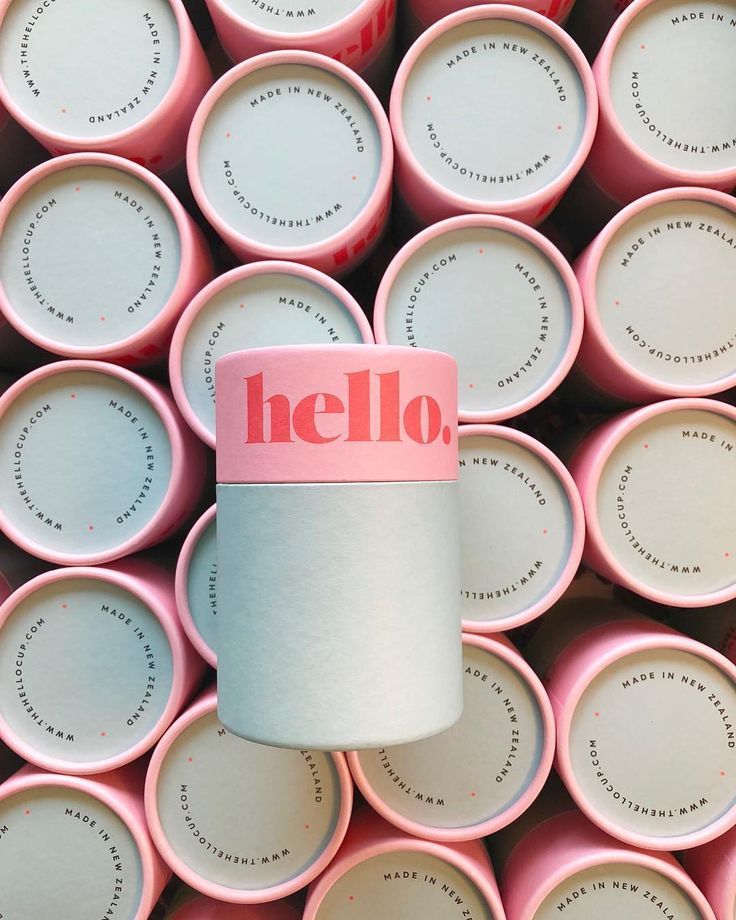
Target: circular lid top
112, 71
86, 461
67, 854
479, 775
495, 105
336, 413
496, 295
613, 890
292, 18
267, 836
86, 671
656, 788
404, 883
324, 152
521, 528
669, 77
90, 254
660, 291
674, 463
257, 305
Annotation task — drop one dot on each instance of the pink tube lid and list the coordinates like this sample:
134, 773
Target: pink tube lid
265, 303
68, 87
336, 413
196, 585
496, 295
482, 773
666, 76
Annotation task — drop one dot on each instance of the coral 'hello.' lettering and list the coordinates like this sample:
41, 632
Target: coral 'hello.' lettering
419, 418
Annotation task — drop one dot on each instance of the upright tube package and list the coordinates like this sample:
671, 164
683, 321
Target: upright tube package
338, 550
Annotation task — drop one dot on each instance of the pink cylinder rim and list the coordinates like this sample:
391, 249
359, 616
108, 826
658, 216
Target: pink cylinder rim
178, 685
529, 235
616, 854
602, 72
187, 44
560, 183
456, 858
500, 648
166, 315
288, 40
564, 716
155, 396
181, 588
381, 190
588, 278
117, 804
486, 627
215, 287
625, 424
205, 705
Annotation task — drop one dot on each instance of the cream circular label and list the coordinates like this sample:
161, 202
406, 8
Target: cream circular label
244, 815
278, 308
615, 890
631, 743
673, 83
66, 854
89, 256
515, 528
202, 584
667, 499
114, 67
85, 462
293, 16
289, 155
664, 291
492, 300
494, 110
85, 670
404, 884
477, 769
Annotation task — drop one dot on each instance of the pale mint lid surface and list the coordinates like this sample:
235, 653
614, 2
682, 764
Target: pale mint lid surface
202, 584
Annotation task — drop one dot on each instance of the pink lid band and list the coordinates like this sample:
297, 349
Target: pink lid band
336, 413
713, 867
355, 40
122, 792
202, 908
157, 141
566, 844
371, 836
597, 358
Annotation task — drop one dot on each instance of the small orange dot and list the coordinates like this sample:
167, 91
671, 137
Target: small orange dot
617, 303
354, 178
103, 734
646, 446
642, 47
28, 811
227, 134
471, 386
429, 98
91, 527
545, 531
242, 306
189, 760
596, 714
472, 795
73, 395
306, 827
102, 319
64, 111
77, 189
351, 897
64, 606
727, 555
559, 127
481, 251
723, 772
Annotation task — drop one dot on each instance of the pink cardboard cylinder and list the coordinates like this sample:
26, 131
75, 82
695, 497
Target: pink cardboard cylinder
430, 200
566, 844
569, 678
186, 476
153, 586
617, 163
183, 604
367, 452
371, 836
121, 792
587, 465
204, 706
206, 909
500, 647
598, 358
546, 251
577, 525
356, 39
158, 140
335, 254
217, 287
428, 12
713, 867
149, 344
